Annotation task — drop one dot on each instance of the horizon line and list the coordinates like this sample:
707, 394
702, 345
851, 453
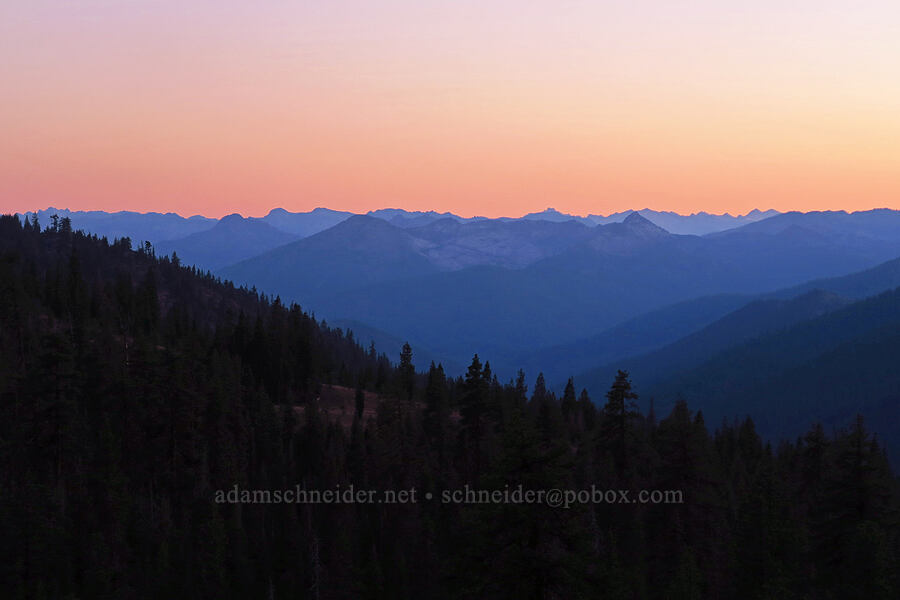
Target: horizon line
549, 209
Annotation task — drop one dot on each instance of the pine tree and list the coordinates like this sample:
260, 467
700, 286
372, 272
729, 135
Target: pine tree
472, 409
569, 403
588, 411
539, 394
407, 373
616, 420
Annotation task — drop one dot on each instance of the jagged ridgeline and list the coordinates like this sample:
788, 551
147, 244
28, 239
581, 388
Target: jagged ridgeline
133, 389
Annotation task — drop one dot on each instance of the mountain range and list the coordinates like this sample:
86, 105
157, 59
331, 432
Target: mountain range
690, 316
498, 287
158, 227
699, 223
520, 290
153, 227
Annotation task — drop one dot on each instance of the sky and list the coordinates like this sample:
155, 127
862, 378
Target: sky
476, 107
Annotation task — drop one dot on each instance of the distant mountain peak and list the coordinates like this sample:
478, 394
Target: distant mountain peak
635, 217
234, 222
358, 226
637, 222
358, 220
551, 214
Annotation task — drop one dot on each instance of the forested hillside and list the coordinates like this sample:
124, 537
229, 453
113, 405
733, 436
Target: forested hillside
828, 368
134, 389
751, 321
634, 337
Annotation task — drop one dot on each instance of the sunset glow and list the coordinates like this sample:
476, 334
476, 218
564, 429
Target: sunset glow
490, 108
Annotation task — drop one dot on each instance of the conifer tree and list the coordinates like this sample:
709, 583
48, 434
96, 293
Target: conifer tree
616, 420
569, 403
407, 373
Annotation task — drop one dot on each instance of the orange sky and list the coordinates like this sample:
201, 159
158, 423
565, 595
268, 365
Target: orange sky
213, 107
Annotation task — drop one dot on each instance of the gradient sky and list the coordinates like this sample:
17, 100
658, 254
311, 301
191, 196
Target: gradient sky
477, 107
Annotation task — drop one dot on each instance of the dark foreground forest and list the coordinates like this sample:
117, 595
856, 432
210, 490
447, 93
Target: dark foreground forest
133, 390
